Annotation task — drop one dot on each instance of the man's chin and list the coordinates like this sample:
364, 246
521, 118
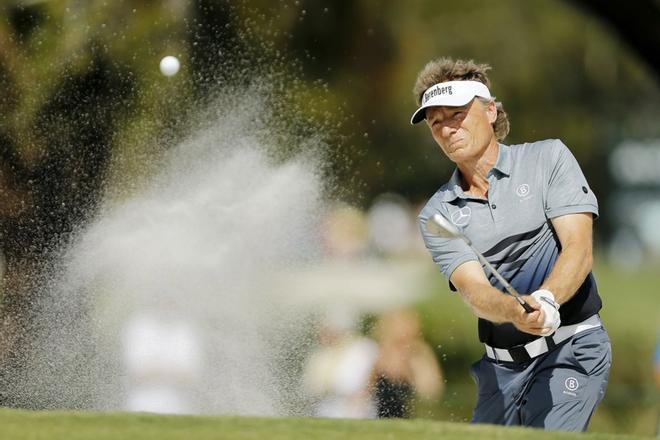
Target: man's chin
457, 153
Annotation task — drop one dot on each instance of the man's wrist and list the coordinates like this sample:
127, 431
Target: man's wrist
511, 309
555, 293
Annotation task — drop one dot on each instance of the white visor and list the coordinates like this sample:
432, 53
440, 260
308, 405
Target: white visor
450, 94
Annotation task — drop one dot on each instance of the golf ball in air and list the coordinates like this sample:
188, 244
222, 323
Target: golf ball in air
169, 65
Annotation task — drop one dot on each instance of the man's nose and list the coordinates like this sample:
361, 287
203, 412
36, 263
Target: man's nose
448, 130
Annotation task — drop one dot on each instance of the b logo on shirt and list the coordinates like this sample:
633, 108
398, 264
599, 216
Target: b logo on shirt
571, 384
523, 190
462, 216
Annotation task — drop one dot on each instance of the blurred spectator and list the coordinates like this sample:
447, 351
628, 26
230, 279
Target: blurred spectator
162, 361
341, 376
336, 376
392, 229
344, 232
406, 366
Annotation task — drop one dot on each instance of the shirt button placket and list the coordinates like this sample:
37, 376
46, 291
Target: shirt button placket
491, 198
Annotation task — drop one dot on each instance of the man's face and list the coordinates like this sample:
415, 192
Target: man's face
463, 133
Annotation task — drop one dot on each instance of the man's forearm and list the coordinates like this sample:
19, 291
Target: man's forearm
571, 268
489, 303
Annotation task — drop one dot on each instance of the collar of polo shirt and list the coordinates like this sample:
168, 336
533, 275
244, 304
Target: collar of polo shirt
450, 94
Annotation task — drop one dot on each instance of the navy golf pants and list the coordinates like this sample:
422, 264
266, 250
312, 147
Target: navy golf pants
558, 390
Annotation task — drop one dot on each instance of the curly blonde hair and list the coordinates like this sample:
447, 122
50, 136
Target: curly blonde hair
448, 69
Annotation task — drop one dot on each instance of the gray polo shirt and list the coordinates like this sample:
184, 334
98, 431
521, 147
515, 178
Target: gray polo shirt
530, 184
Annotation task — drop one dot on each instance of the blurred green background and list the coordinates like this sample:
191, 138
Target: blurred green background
84, 111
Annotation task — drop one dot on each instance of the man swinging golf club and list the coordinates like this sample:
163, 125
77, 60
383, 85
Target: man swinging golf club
528, 210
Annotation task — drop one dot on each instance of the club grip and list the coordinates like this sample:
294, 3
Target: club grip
527, 307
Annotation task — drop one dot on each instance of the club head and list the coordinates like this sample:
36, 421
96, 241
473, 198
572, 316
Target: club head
439, 226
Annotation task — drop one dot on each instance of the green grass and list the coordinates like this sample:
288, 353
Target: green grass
18, 425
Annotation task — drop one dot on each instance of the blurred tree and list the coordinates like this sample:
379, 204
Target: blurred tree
557, 71
64, 96
217, 50
56, 136
636, 22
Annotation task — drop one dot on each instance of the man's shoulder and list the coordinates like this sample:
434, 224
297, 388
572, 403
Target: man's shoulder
544, 153
444, 194
537, 147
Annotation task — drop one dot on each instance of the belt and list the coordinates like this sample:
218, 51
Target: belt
527, 352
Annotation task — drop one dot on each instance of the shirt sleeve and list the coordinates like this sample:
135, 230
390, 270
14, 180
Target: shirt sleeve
447, 254
566, 190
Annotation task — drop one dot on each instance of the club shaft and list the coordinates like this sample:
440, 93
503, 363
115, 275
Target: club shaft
509, 288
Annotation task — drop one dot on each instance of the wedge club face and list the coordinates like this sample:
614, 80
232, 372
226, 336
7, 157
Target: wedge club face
439, 226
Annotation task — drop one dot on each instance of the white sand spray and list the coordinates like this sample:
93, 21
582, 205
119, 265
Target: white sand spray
164, 298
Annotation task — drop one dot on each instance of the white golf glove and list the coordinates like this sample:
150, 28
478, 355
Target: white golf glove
550, 309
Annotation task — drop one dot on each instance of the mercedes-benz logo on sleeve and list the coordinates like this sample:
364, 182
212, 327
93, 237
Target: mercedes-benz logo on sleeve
462, 216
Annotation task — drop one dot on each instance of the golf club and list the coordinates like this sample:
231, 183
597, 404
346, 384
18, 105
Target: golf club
439, 226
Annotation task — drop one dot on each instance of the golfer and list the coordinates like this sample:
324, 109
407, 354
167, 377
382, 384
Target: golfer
529, 210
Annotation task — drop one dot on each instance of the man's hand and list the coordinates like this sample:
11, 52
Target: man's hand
550, 309
489, 303
532, 322
544, 320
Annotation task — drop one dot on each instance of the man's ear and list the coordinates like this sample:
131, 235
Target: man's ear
491, 111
